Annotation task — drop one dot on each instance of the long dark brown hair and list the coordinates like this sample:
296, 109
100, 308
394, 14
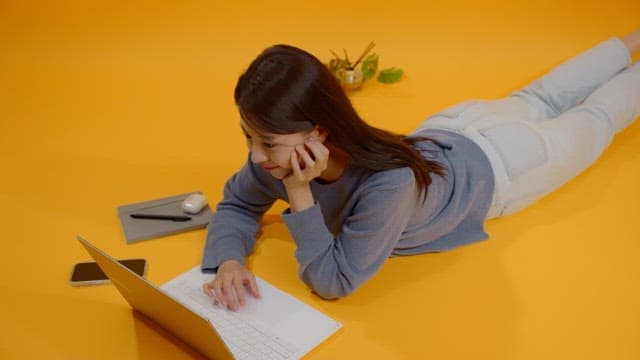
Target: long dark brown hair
287, 90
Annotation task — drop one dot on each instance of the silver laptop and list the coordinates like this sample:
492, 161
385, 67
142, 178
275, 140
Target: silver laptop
276, 326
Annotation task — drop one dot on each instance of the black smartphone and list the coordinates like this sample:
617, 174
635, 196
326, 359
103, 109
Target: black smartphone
89, 273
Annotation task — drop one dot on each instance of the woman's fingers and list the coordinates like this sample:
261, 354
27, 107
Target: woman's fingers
218, 292
207, 288
295, 165
253, 286
320, 153
228, 289
309, 163
314, 155
238, 288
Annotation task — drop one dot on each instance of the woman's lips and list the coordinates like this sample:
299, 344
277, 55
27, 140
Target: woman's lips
269, 168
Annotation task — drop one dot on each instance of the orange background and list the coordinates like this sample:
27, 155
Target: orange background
109, 103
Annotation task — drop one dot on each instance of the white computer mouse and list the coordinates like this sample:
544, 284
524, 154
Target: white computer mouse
194, 203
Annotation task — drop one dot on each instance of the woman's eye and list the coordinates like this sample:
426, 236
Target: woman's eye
269, 145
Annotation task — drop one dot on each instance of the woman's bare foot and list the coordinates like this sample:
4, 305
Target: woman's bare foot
632, 41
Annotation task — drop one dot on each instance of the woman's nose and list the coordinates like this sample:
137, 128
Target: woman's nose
258, 154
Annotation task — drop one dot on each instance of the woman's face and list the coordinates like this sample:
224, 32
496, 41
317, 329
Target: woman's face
273, 151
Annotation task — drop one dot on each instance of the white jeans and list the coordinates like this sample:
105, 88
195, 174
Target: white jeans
545, 134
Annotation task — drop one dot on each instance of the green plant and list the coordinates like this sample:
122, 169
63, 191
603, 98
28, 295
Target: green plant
352, 77
390, 75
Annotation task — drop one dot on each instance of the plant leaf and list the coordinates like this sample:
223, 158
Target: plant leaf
390, 75
369, 66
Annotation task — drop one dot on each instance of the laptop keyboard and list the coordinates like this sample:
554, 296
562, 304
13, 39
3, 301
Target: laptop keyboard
245, 338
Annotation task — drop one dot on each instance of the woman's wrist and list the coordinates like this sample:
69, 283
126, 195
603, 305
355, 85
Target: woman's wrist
229, 263
300, 197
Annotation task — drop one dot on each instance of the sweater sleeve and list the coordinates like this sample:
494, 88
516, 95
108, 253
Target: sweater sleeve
335, 266
232, 230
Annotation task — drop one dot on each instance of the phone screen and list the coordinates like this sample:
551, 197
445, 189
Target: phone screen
89, 273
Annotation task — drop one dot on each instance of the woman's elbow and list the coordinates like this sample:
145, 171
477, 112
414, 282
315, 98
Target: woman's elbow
331, 291
330, 295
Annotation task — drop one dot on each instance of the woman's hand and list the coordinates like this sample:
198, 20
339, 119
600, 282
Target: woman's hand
306, 165
228, 287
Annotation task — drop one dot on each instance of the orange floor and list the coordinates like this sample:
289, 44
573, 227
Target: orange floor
112, 103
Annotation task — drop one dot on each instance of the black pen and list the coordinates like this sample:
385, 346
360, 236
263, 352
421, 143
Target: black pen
161, 217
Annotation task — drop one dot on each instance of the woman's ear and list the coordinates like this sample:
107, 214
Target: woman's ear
319, 133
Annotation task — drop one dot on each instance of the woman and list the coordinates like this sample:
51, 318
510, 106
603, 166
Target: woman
358, 195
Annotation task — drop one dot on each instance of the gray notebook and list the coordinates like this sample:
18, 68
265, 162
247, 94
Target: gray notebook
143, 229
